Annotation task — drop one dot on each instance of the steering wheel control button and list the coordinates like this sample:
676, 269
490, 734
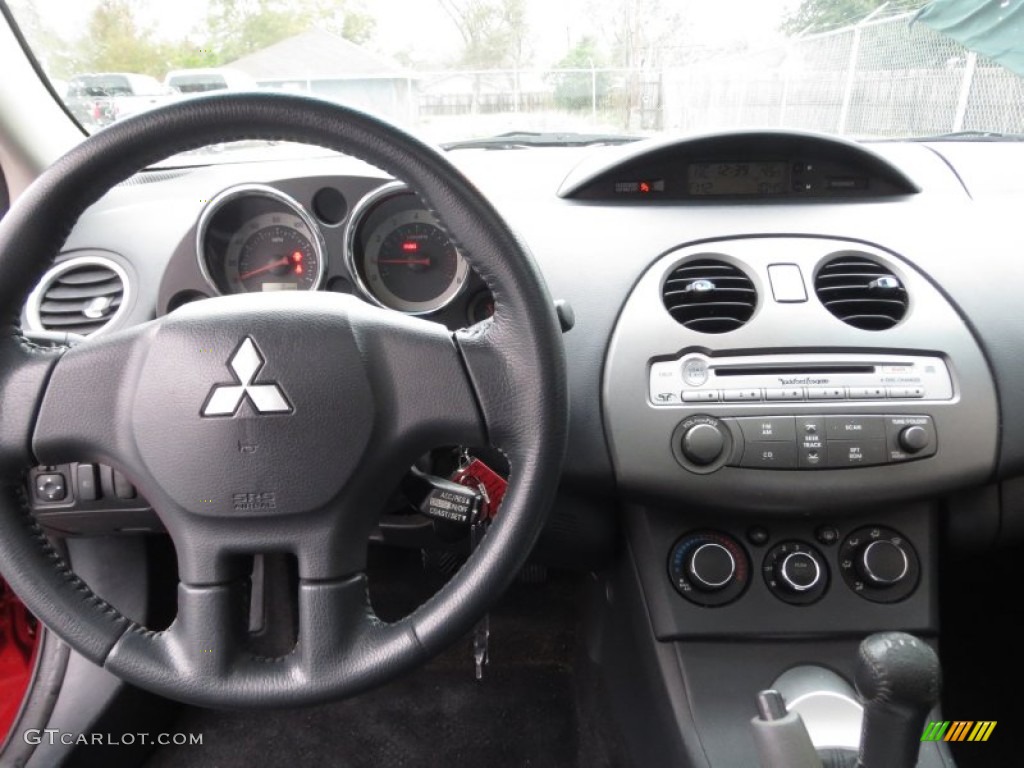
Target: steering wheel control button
910, 437
123, 488
51, 487
769, 456
768, 428
702, 443
712, 566
708, 568
879, 564
855, 453
695, 371
795, 572
855, 428
87, 487
883, 563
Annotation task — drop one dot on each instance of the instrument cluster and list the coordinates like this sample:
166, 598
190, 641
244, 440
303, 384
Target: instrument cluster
254, 238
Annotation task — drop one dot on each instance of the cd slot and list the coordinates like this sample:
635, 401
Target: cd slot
790, 370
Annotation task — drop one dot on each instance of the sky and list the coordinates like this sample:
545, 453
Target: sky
421, 28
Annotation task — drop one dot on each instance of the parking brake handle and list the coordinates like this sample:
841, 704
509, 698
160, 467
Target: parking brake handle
780, 736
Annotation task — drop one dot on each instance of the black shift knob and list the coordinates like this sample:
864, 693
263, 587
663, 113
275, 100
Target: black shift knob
898, 677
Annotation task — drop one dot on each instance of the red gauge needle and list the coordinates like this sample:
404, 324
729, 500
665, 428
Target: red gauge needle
265, 268
425, 261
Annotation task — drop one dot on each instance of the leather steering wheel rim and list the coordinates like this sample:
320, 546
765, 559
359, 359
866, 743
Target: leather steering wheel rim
96, 402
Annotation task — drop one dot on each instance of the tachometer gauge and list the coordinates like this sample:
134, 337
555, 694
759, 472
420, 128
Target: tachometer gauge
272, 252
255, 239
400, 255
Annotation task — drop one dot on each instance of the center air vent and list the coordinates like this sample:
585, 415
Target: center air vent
709, 295
81, 295
861, 292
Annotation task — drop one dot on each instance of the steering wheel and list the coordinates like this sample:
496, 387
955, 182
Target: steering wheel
342, 399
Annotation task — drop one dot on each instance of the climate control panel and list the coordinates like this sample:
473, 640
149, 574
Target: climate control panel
703, 443
712, 568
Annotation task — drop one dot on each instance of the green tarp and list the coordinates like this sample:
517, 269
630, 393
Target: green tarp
992, 28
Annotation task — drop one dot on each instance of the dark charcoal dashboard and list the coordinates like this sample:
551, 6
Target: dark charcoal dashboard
788, 350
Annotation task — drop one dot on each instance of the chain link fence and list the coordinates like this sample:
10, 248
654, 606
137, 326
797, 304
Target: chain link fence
885, 78
881, 78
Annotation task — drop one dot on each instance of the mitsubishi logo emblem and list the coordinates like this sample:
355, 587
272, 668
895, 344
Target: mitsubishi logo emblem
245, 363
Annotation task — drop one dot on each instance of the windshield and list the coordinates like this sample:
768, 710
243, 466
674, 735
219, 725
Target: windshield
456, 70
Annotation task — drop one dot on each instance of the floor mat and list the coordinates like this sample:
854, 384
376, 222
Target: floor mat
521, 714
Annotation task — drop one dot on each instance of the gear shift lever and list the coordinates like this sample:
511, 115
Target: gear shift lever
898, 678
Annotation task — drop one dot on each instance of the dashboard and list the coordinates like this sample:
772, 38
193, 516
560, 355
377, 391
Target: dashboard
646, 275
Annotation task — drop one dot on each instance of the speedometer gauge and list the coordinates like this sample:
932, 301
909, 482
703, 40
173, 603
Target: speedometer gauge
272, 252
400, 255
411, 265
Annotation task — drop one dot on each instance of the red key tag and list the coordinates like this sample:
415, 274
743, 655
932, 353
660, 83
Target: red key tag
478, 475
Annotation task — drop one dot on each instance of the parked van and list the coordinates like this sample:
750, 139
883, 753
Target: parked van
204, 80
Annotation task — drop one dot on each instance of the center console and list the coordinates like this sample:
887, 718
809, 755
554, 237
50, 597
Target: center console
776, 410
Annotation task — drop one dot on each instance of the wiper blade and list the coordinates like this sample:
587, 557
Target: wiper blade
526, 139
972, 136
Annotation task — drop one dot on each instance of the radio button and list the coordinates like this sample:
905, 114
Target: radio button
786, 393
740, 395
769, 456
826, 393
700, 396
811, 456
855, 427
856, 453
695, 371
867, 393
768, 428
906, 392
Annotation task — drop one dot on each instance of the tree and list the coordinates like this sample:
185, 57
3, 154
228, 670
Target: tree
577, 90
494, 32
116, 42
822, 15
240, 27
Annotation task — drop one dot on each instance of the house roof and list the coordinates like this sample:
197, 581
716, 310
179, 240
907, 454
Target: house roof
315, 55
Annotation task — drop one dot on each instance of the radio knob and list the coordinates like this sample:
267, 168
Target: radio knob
883, 563
703, 444
914, 439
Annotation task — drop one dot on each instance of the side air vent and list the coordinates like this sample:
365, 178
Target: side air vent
861, 292
709, 295
81, 295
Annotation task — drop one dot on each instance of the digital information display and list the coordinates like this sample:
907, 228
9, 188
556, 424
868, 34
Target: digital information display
738, 178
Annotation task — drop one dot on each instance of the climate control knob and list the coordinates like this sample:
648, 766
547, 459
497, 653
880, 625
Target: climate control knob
799, 571
883, 563
712, 566
708, 568
879, 564
796, 572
